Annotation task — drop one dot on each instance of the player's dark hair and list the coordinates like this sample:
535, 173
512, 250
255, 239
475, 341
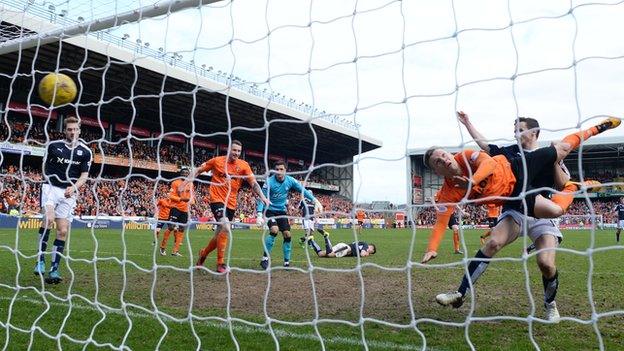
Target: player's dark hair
237, 142
531, 123
374, 248
279, 163
428, 154
70, 120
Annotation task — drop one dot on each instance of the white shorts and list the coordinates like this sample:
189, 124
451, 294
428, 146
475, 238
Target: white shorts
536, 227
620, 224
308, 224
55, 197
341, 249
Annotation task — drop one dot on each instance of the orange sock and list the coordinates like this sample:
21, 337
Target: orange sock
222, 240
564, 200
575, 139
456, 240
212, 244
179, 236
163, 243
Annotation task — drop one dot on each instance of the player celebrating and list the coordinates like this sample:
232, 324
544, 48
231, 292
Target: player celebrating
354, 249
228, 173
66, 168
619, 208
180, 198
276, 188
163, 207
496, 181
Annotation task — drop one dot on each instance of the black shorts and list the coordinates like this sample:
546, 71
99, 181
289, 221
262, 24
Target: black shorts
217, 211
281, 222
161, 222
538, 164
177, 216
453, 221
360, 223
492, 221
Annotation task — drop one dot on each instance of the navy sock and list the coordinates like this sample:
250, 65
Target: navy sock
57, 251
315, 246
44, 235
550, 287
475, 269
328, 245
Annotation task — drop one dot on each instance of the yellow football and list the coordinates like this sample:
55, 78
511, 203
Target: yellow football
57, 89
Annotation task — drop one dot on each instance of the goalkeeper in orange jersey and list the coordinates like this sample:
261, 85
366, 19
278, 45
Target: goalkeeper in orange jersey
180, 199
476, 175
163, 207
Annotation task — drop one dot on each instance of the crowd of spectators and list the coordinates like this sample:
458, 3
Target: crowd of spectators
134, 196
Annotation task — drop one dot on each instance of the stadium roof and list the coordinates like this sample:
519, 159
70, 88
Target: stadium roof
117, 83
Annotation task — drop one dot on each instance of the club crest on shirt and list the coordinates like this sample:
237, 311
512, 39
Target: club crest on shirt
79, 152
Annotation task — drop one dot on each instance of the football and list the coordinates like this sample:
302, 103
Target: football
57, 89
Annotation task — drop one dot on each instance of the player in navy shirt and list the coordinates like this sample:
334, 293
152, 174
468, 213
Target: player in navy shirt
308, 221
66, 168
354, 249
619, 208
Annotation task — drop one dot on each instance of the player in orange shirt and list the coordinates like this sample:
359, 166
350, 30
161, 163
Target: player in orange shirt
475, 175
493, 212
228, 174
360, 215
180, 198
163, 207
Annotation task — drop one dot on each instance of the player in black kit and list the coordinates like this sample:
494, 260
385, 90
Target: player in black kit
66, 168
619, 208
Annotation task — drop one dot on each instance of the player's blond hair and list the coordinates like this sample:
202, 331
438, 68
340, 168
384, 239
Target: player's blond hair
70, 120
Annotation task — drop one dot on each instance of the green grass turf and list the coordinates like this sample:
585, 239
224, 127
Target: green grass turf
398, 308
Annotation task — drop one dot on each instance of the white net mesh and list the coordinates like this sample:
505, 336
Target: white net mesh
165, 84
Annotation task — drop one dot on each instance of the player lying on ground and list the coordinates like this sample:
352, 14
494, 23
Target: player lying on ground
510, 225
276, 189
341, 249
66, 168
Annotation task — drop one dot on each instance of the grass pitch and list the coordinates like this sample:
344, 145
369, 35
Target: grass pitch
118, 292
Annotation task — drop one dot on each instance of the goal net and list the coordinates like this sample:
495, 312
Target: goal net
340, 92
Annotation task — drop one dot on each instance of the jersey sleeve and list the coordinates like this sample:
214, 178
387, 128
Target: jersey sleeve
248, 174
483, 165
207, 166
495, 150
296, 185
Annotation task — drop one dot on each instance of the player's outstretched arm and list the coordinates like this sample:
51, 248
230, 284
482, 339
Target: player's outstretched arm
474, 133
